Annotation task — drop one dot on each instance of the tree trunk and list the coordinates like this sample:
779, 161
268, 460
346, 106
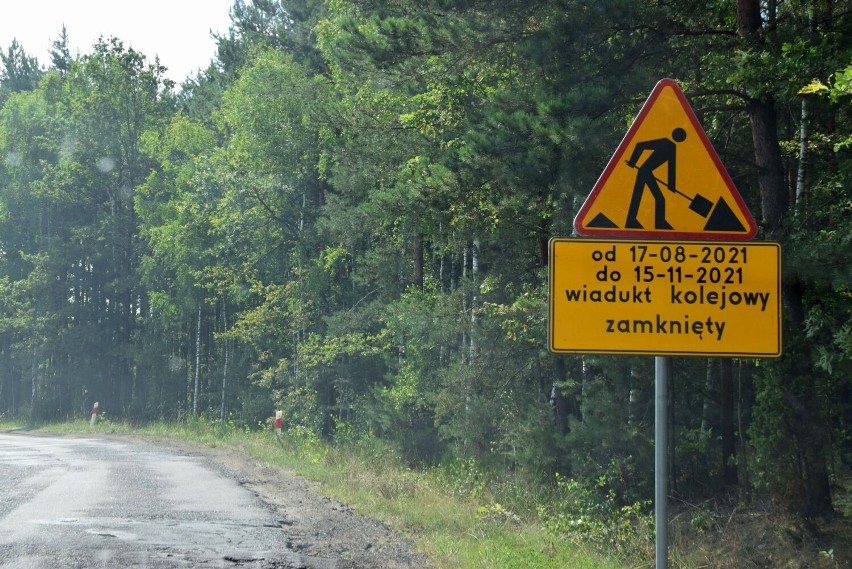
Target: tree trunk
709, 382
557, 398
726, 421
474, 269
195, 390
775, 202
34, 391
774, 199
801, 187
225, 363
810, 439
417, 255
748, 17
742, 470
464, 342
633, 397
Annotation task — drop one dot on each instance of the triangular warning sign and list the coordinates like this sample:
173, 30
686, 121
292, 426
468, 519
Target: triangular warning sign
665, 180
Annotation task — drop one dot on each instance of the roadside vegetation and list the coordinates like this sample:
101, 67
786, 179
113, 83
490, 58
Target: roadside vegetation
453, 514
464, 517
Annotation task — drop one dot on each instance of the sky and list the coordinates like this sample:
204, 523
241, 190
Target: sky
178, 31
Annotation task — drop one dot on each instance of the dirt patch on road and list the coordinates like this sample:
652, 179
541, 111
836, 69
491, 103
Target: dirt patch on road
317, 527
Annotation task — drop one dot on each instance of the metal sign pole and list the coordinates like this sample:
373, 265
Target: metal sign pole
662, 371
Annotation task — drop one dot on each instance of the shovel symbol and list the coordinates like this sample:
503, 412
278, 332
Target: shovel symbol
699, 204
720, 216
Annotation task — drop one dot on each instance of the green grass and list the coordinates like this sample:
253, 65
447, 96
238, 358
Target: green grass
457, 526
453, 529
8, 425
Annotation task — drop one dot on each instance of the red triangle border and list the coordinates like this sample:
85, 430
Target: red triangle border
658, 234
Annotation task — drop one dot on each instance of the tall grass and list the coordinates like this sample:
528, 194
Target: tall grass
452, 514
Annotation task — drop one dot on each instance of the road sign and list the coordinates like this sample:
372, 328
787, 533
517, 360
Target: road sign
665, 181
665, 297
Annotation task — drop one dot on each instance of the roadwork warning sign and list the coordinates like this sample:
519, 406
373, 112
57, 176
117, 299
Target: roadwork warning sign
665, 181
665, 297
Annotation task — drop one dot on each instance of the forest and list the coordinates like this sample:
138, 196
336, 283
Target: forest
346, 217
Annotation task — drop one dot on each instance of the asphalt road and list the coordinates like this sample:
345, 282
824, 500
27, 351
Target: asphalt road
68, 503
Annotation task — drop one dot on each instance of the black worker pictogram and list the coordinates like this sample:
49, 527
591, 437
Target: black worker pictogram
665, 180
663, 152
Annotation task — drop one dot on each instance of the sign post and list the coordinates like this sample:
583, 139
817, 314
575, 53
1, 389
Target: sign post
688, 284
662, 373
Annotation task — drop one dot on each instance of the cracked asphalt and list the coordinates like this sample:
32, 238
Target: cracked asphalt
68, 502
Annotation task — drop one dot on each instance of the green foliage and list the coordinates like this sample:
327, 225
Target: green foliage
592, 516
19, 71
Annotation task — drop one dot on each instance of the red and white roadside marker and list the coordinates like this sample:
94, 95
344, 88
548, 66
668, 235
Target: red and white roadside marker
279, 422
95, 409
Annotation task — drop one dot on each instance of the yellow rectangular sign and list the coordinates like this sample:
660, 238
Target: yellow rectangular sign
665, 297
